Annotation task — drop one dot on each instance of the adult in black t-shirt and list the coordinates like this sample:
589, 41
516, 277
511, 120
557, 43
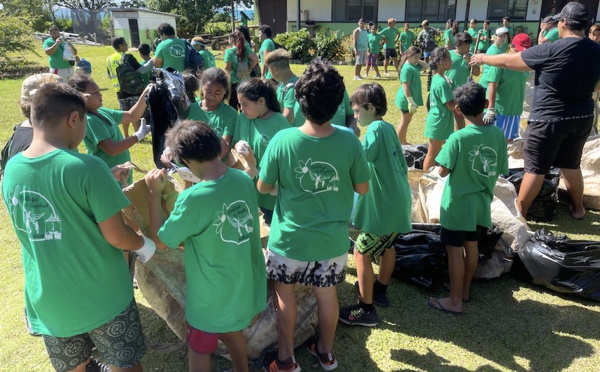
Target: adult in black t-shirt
566, 75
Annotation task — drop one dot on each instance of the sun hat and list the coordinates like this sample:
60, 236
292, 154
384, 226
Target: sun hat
521, 42
35, 82
573, 11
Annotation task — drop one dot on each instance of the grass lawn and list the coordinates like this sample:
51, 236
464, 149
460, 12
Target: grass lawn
509, 325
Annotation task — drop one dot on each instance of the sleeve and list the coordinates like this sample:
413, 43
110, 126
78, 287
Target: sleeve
239, 122
181, 224
103, 193
493, 75
116, 115
159, 51
230, 122
449, 153
96, 130
228, 56
47, 43
270, 45
404, 76
446, 93
535, 57
269, 168
289, 100
359, 170
370, 146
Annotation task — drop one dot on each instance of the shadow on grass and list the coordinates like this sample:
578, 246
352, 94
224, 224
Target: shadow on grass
564, 223
498, 328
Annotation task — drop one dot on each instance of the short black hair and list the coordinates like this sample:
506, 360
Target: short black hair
118, 41
216, 75
372, 94
266, 29
193, 140
506, 19
53, 28
144, 49
470, 98
80, 82
462, 38
319, 91
53, 102
255, 89
165, 29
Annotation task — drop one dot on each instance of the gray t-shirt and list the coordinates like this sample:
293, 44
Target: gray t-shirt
566, 73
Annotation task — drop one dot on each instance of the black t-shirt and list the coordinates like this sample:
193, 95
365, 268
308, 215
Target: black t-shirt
566, 73
18, 142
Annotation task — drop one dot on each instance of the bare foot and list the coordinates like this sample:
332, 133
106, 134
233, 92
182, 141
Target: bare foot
445, 305
577, 214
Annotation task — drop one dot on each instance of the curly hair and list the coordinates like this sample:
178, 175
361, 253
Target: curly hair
319, 91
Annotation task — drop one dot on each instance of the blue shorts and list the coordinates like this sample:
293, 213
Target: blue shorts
426, 54
509, 125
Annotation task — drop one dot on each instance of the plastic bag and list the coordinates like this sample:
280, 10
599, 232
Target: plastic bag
421, 256
543, 207
415, 155
561, 264
68, 54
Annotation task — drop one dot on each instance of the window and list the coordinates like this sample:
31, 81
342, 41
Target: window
431, 10
515, 9
353, 10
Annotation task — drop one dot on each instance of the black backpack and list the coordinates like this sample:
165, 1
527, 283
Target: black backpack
130, 80
193, 60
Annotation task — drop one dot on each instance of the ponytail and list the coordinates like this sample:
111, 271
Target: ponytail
429, 77
254, 89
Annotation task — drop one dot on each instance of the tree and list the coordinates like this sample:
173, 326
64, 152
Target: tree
195, 14
36, 13
16, 37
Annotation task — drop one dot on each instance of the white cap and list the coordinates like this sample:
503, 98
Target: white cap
501, 31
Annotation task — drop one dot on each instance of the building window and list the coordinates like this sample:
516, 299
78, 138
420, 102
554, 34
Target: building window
353, 10
431, 10
515, 9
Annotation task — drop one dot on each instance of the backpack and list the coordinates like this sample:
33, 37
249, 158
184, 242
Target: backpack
193, 60
242, 72
130, 80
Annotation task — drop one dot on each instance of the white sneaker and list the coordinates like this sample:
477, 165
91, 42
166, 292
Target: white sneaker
357, 78
386, 74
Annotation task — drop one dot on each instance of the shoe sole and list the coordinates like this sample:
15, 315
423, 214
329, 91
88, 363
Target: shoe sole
323, 366
364, 324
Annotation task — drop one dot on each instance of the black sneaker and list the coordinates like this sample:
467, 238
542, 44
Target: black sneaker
356, 315
379, 299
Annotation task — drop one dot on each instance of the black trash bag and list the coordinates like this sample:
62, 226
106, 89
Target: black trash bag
421, 257
543, 207
415, 155
561, 264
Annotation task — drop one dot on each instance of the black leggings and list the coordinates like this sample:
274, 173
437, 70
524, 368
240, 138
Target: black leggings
233, 100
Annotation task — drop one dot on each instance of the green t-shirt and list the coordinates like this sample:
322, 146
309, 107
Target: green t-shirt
56, 60
511, 90
172, 52
410, 74
552, 35
390, 36
267, 46
75, 281
448, 37
208, 59
386, 207
224, 264
375, 43
440, 121
407, 39
476, 156
315, 178
146, 75
287, 100
474, 34
195, 112
230, 56
493, 50
101, 127
258, 133
484, 44
222, 120
459, 73
344, 109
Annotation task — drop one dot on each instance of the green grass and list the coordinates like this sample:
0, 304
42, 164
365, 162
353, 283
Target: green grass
508, 326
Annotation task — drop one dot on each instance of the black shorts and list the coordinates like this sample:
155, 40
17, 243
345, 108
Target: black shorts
558, 144
404, 111
390, 53
457, 238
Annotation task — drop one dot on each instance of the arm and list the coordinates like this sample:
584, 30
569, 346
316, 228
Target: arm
228, 67
119, 235
155, 181
51, 50
450, 105
511, 61
289, 114
351, 123
253, 60
361, 188
475, 70
355, 40
135, 113
443, 171
225, 146
424, 65
113, 148
265, 188
158, 62
491, 92
146, 67
264, 68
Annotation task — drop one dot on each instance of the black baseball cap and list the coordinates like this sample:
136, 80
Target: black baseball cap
573, 11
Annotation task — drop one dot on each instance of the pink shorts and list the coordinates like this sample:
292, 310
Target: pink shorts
201, 342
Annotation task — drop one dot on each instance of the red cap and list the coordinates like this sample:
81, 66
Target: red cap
521, 42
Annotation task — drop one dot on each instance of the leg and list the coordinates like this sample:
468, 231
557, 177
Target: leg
238, 350
367, 70
530, 188
327, 312
403, 127
198, 362
574, 183
357, 69
395, 59
386, 266
386, 60
434, 149
376, 68
366, 276
286, 319
456, 267
471, 260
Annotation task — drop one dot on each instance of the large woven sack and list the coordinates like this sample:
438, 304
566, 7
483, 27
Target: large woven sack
590, 168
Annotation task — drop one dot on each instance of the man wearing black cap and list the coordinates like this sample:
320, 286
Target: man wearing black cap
562, 109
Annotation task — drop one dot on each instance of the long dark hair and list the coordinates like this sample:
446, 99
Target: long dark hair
239, 42
411, 51
254, 89
436, 56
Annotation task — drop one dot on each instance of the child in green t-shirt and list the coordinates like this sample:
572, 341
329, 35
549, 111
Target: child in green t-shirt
374, 49
278, 63
440, 119
66, 211
256, 125
217, 220
472, 158
316, 168
409, 96
383, 212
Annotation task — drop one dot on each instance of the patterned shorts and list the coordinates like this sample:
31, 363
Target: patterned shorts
120, 343
374, 245
325, 273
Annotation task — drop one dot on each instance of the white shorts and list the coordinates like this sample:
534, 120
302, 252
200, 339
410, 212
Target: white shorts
361, 58
325, 273
65, 73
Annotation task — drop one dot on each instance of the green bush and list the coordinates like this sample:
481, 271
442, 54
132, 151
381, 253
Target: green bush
328, 46
222, 17
64, 24
16, 38
300, 44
